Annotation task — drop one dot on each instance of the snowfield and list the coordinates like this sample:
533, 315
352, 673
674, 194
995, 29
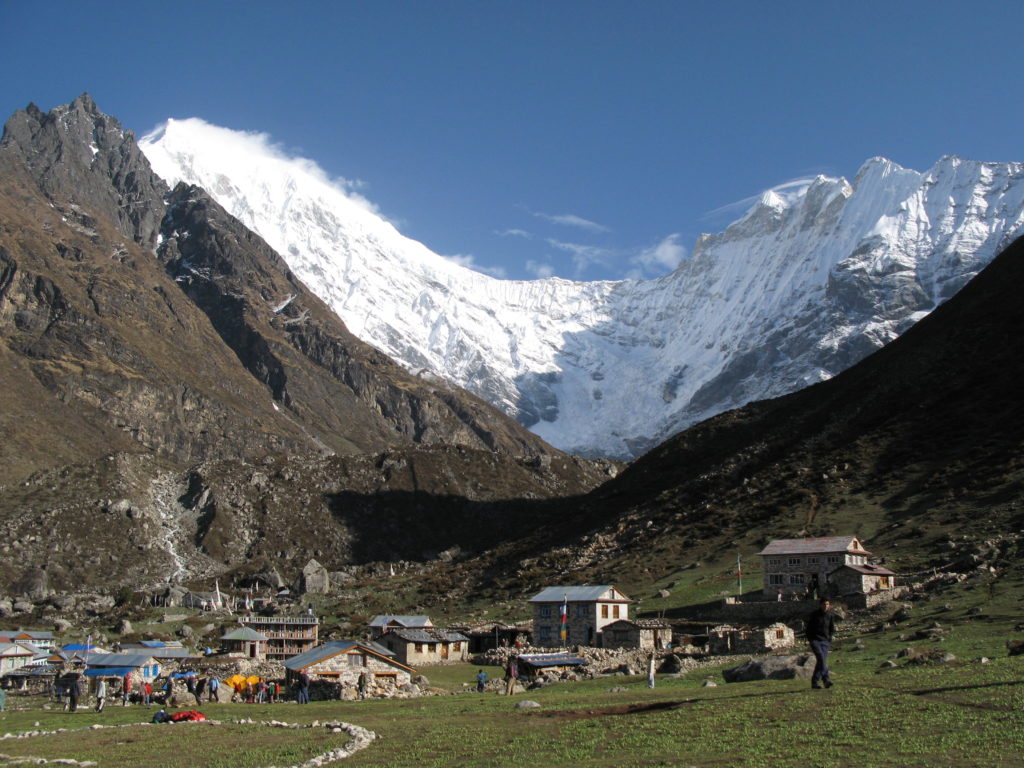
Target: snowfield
810, 280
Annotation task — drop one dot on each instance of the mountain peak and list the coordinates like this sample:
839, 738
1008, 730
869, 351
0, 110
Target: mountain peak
799, 288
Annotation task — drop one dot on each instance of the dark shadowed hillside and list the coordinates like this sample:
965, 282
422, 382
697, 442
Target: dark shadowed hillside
921, 442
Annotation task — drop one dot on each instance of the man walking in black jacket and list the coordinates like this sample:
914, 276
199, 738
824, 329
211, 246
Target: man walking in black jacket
821, 625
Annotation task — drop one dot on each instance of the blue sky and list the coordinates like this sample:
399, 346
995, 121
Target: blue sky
588, 140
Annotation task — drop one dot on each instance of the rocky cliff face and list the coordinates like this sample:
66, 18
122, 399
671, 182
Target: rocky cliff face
159, 323
143, 331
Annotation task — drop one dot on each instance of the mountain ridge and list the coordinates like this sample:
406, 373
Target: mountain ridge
799, 288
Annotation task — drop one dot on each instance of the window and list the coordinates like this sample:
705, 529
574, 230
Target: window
780, 634
419, 647
545, 635
796, 578
545, 611
581, 610
793, 561
813, 560
833, 559
457, 645
615, 611
604, 611
775, 579
356, 660
774, 562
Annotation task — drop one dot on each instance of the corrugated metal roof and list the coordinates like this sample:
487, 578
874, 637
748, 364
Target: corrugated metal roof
414, 622
541, 660
577, 594
172, 653
314, 655
6, 648
867, 568
641, 623
133, 660
824, 544
245, 634
429, 636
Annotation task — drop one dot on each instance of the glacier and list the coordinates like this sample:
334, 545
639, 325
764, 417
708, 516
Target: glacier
806, 283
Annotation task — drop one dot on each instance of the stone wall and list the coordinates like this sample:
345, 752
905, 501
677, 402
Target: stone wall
385, 677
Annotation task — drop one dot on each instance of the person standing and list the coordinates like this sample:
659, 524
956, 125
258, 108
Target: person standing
650, 671
303, 697
212, 687
147, 693
126, 689
511, 675
481, 681
101, 693
820, 628
361, 684
73, 691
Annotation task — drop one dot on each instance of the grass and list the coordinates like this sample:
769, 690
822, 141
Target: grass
964, 714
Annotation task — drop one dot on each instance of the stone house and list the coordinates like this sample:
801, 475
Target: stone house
648, 634
140, 665
587, 610
43, 640
485, 635
14, 656
863, 579
383, 623
342, 662
420, 647
726, 639
803, 566
245, 641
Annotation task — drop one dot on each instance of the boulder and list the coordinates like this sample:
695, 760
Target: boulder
771, 668
527, 704
671, 664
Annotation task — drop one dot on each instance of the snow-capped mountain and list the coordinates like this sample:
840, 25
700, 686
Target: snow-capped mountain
801, 287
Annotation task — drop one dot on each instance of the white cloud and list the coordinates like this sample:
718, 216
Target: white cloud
469, 262
572, 220
582, 255
514, 233
661, 258
238, 148
789, 191
539, 270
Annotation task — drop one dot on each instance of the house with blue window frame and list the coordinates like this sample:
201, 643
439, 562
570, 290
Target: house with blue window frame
139, 665
588, 610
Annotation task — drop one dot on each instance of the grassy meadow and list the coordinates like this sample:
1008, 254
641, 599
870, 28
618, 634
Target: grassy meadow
967, 713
